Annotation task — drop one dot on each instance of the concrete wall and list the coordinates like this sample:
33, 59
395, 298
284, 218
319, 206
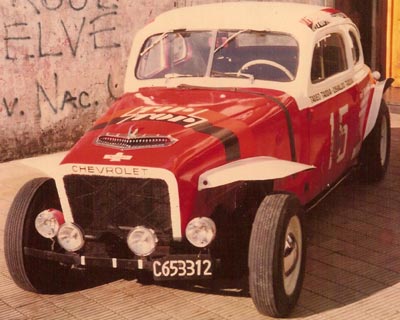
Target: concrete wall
62, 64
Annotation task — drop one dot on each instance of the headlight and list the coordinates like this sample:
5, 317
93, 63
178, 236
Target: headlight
70, 237
142, 241
201, 231
48, 222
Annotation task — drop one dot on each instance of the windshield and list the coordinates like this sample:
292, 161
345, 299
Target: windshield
235, 53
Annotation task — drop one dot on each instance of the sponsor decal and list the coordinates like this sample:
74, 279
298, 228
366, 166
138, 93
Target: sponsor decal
315, 98
118, 157
186, 117
326, 93
322, 18
314, 25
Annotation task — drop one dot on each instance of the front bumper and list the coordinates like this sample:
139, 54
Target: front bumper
171, 267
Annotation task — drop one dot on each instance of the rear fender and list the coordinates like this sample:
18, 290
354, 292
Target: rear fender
250, 169
380, 89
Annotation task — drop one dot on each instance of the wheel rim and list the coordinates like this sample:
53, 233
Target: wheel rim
384, 141
292, 255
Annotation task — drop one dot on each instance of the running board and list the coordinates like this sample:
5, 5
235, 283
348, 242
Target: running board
328, 191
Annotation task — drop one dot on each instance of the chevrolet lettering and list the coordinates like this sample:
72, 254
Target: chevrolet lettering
109, 170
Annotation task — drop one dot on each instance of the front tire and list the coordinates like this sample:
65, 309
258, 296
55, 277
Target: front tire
30, 273
375, 152
277, 255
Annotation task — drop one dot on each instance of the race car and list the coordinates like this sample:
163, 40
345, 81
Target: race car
237, 118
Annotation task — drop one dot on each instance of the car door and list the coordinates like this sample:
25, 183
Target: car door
334, 114
361, 75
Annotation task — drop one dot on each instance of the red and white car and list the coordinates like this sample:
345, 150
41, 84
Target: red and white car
237, 118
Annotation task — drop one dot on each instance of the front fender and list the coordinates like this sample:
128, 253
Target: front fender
250, 169
380, 89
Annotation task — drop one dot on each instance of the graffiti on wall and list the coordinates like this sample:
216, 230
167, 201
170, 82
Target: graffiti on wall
80, 99
19, 32
59, 36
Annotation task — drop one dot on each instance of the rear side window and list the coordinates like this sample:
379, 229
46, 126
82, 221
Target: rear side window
329, 58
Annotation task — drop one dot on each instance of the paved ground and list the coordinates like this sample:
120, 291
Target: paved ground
352, 272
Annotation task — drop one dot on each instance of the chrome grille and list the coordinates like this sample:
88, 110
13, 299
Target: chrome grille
101, 203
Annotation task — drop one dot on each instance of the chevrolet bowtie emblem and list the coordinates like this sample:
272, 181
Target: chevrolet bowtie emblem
119, 156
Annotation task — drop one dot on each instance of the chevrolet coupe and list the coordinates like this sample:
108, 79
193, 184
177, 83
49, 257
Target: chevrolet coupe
237, 118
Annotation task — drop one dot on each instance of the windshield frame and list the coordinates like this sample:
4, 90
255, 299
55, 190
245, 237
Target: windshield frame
213, 51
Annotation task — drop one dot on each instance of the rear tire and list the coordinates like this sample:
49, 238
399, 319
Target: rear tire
30, 273
375, 152
277, 255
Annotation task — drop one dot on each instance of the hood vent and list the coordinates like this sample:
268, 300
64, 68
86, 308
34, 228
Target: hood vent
134, 141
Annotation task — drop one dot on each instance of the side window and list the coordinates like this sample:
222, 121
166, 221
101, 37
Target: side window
329, 58
356, 50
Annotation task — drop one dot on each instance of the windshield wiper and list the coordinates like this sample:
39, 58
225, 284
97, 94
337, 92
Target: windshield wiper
177, 75
220, 74
230, 39
165, 34
246, 75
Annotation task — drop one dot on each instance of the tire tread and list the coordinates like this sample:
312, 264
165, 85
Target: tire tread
14, 233
267, 229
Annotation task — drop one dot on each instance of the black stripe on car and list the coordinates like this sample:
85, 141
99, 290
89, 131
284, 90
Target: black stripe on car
229, 140
285, 110
289, 124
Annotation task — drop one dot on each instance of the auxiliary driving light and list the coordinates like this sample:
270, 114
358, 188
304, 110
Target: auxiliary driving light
142, 241
70, 237
48, 222
201, 231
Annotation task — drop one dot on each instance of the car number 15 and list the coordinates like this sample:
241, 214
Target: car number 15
182, 268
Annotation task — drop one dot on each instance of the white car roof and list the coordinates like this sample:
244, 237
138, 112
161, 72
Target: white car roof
274, 16
303, 21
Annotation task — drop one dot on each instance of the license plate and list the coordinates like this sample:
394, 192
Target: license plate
184, 267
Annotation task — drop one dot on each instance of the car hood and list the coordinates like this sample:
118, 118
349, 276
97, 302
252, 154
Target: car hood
178, 129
